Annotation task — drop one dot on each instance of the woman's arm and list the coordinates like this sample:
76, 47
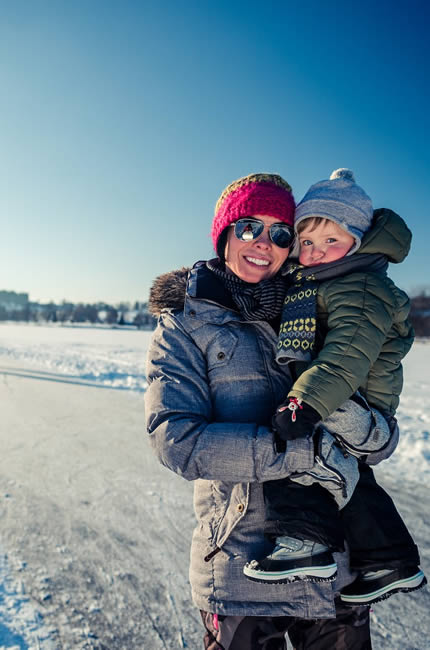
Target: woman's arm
179, 420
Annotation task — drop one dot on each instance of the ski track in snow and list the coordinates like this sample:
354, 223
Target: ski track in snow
101, 562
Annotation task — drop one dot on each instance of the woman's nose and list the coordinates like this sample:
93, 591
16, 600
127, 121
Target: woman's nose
264, 239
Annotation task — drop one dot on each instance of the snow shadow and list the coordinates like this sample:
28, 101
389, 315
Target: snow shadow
91, 381
9, 639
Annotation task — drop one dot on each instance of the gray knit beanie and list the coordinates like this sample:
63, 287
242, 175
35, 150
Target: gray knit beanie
341, 200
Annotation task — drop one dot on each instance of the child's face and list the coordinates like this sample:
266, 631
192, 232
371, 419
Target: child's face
327, 242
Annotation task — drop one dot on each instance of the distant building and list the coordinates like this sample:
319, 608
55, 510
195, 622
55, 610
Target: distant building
12, 301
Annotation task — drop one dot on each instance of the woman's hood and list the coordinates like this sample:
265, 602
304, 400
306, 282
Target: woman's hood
389, 235
168, 291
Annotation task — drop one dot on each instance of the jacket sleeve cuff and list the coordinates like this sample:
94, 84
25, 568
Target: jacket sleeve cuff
271, 465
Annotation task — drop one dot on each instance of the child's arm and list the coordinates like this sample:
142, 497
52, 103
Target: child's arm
361, 310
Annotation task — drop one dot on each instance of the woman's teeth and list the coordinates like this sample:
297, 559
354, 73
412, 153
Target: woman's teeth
257, 261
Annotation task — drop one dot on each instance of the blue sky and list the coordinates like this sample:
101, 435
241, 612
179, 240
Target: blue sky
122, 122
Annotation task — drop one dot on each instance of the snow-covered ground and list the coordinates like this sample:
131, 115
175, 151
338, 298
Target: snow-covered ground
94, 534
111, 356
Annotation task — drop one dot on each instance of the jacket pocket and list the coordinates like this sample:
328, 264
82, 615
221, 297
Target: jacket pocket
233, 506
221, 349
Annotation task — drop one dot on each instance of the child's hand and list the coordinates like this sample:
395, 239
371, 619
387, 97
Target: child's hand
294, 419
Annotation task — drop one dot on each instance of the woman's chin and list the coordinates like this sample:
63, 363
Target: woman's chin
254, 278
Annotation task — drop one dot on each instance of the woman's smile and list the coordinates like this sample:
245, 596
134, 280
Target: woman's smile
258, 261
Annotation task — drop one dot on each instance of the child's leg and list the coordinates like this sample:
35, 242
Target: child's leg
381, 548
302, 514
302, 511
376, 534
305, 525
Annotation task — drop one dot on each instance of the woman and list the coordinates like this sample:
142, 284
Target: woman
213, 388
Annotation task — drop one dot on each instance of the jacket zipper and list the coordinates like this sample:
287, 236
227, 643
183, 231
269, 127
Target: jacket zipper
359, 452
212, 554
337, 477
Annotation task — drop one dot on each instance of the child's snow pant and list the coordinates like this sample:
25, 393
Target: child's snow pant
350, 629
339, 499
375, 532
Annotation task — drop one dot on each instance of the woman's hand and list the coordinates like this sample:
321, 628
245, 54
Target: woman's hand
294, 419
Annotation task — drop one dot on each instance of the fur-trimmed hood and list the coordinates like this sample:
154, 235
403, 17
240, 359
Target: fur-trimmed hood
168, 291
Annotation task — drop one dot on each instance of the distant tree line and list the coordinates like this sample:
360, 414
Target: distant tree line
420, 314
13, 307
17, 307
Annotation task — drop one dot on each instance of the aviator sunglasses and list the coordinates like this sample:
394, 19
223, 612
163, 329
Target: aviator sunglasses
248, 229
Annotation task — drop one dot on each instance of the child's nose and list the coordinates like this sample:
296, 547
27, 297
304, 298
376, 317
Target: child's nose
318, 251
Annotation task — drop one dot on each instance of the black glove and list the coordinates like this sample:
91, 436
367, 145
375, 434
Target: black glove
294, 420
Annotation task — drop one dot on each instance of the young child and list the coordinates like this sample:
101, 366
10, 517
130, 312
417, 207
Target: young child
344, 331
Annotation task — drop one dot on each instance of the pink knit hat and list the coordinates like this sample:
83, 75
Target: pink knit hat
265, 194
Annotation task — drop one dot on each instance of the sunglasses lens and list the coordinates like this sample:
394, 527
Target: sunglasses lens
281, 235
247, 230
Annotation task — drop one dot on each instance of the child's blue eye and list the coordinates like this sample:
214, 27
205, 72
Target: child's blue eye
331, 240
306, 242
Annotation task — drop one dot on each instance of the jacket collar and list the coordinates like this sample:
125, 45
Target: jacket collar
206, 298
356, 263
205, 285
197, 292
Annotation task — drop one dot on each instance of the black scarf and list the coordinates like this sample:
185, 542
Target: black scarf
260, 301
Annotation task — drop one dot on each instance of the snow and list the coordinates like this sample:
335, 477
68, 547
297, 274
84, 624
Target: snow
95, 535
111, 356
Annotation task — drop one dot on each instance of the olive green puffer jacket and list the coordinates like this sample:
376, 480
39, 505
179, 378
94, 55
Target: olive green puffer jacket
363, 317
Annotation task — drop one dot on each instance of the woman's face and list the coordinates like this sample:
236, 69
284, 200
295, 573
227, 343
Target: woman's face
255, 260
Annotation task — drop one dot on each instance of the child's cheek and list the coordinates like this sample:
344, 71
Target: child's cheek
303, 257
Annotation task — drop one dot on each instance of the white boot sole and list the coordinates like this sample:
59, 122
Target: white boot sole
324, 573
406, 584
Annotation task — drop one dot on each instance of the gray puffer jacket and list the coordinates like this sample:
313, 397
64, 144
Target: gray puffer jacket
213, 387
